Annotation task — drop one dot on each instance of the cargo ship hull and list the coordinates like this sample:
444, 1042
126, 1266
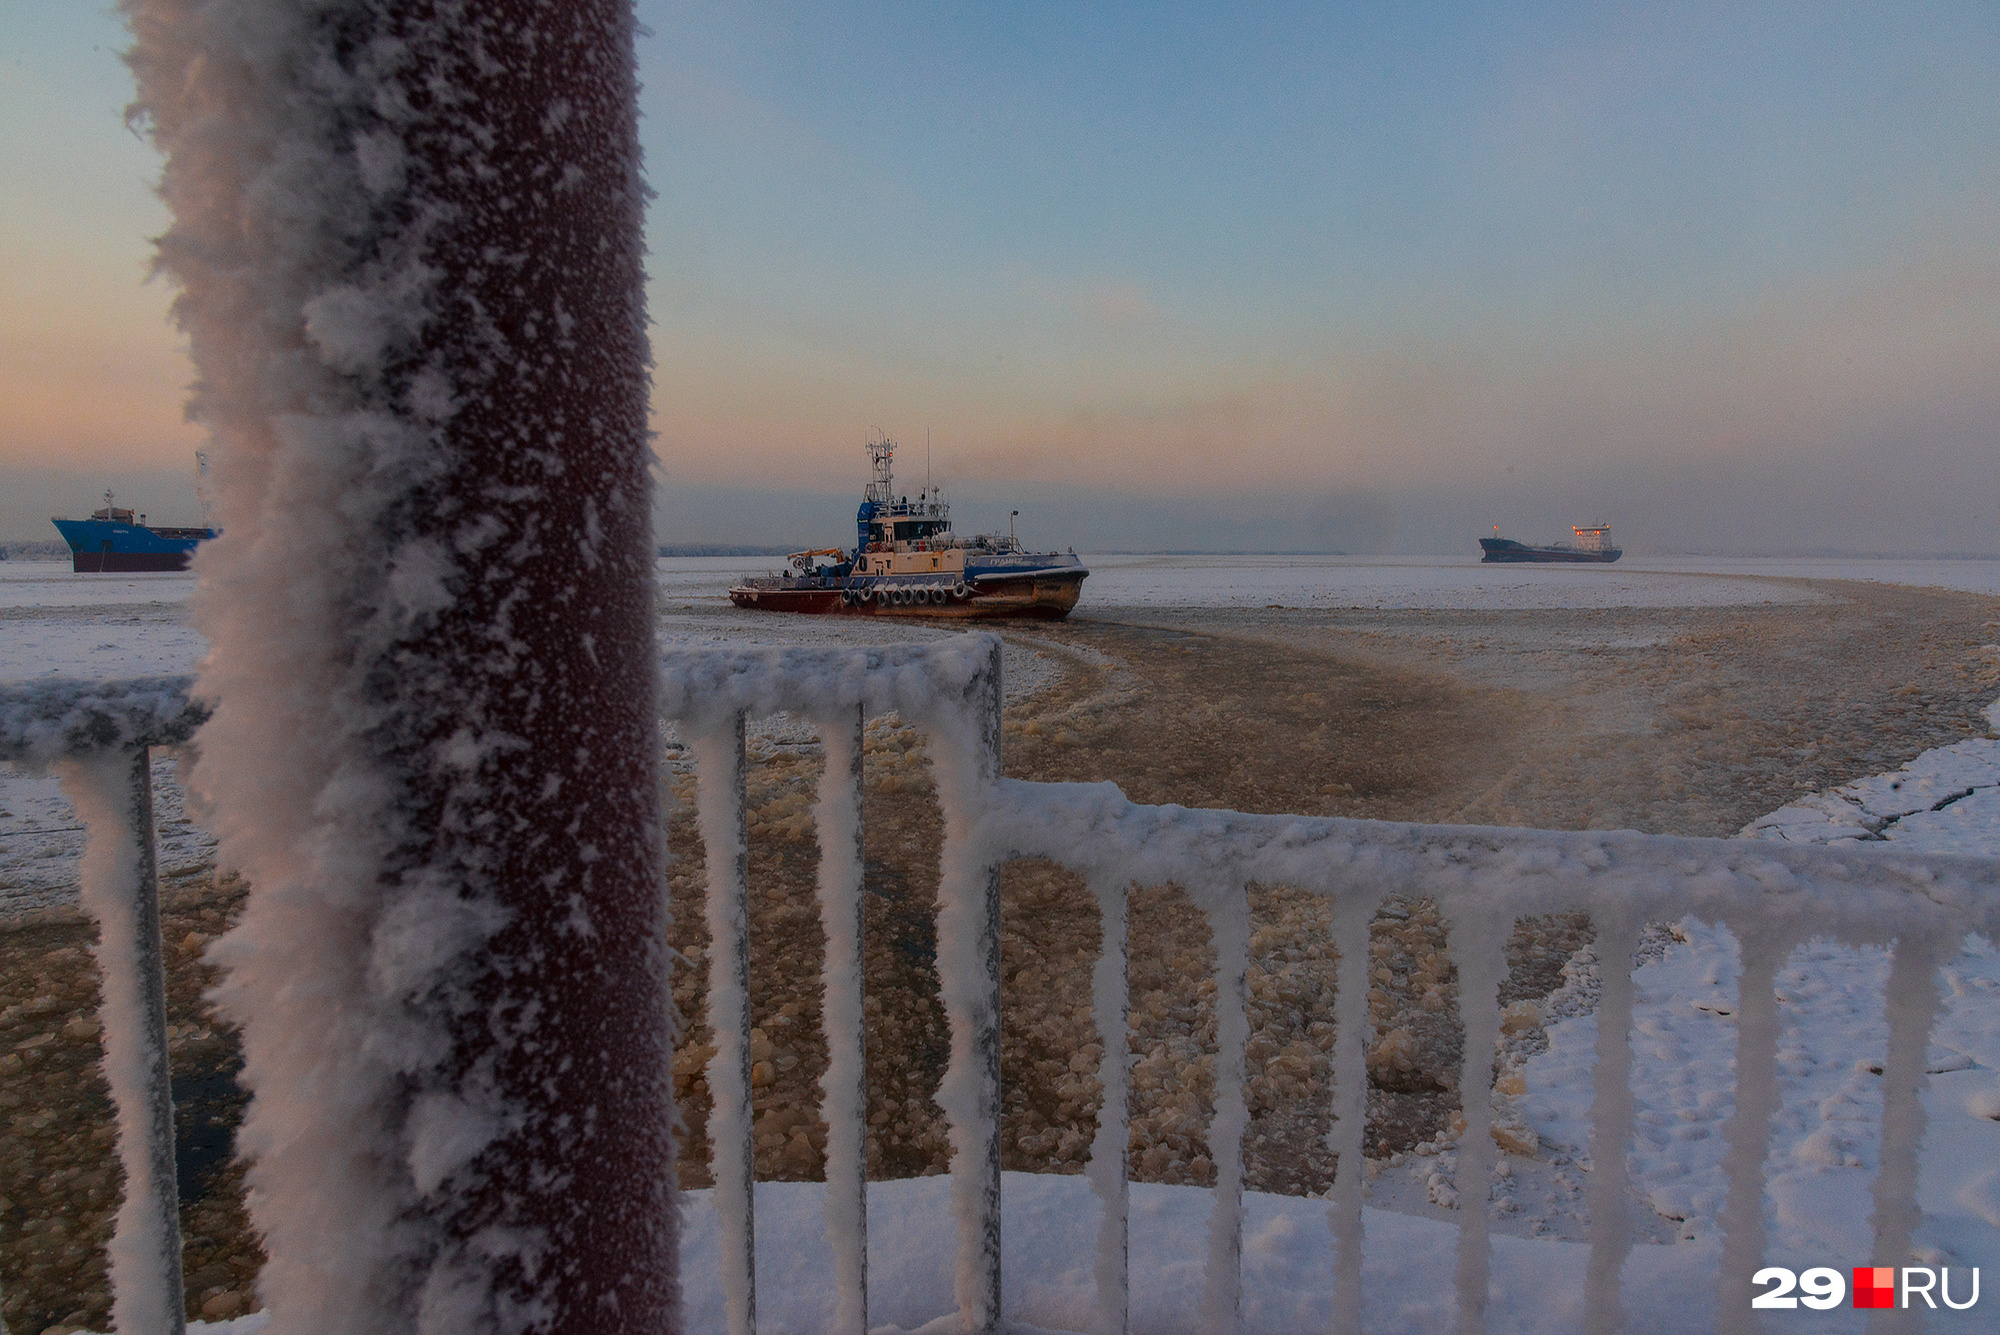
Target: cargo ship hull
117, 546
123, 562
1505, 550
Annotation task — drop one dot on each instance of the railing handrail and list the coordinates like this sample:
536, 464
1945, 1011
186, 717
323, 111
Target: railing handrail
1862, 893
61, 718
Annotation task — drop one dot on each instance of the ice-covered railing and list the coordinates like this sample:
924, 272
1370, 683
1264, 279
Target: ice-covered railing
1771, 897
98, 736
952, 692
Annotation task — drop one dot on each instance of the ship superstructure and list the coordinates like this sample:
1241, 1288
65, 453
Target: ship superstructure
907, 562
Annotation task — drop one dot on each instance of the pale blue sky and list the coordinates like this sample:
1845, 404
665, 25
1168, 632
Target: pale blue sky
1404, 260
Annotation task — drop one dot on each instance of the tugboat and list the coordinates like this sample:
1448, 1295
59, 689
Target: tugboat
118, 540
1593, 545
907, 562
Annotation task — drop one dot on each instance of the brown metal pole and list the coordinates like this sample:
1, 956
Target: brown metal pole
523, 122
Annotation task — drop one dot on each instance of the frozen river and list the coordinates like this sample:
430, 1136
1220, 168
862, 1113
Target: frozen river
63, 624
60, 624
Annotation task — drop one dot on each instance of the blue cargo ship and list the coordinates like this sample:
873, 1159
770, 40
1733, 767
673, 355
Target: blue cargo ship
118, 540
907, 562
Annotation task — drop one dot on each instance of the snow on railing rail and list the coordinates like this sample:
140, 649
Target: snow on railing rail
1771, 896
98, 737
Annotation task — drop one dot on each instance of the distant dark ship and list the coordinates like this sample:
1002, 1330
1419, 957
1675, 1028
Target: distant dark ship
1593, 545
115, 539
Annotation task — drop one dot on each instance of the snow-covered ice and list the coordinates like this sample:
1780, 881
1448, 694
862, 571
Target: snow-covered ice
1945, 801
1457, 582
64, 624
694, 585
1118, 582
61, 624
53, 584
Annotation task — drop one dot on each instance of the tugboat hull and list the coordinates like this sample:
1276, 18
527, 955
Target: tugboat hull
1046, 596
906, 562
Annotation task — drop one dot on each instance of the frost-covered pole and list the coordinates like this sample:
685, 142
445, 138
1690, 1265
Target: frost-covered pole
408, 238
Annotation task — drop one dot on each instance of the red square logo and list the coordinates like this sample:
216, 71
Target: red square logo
1874, 1286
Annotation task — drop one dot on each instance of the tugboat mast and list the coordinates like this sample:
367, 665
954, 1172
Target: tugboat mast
881, 452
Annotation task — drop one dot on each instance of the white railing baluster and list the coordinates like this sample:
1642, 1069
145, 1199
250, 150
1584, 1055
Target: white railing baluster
1911, 999
1611, 1111
121, 892
1229, 923
845, 1085
1350, 1103
1749, 1128
719, 805
1111, 1003
1479, 948
965, 759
